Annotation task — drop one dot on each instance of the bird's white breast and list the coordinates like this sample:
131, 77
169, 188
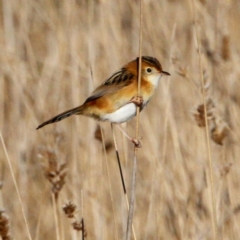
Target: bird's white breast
123, 114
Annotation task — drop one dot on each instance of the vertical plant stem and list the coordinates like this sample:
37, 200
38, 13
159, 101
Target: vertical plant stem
16, 186
83, 229
122, 178
118, 160
210, 165
109, 183
134, 170
55, 212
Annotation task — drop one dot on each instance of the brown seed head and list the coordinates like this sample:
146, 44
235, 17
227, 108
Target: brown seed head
69, 209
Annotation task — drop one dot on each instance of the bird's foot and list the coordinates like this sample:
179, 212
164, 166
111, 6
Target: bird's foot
137, 143
138, 100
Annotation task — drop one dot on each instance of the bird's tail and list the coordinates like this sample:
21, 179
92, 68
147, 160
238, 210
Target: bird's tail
61, 116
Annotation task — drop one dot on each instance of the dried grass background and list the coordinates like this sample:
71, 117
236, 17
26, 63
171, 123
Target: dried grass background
54, 53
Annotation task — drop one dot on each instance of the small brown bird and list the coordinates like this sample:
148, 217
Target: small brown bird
116, 100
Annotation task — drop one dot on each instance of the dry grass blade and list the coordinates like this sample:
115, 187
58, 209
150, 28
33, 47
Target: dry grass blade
56, 216
108, 173
134, 167
16, 187
70, 211
122, 178
212, 185
55, 172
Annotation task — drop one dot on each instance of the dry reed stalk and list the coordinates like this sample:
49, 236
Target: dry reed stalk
121, 175
105, 148
212, 185
41, 210
165, 126
16, 186
70, 210
134, 168
56, 215
55, 172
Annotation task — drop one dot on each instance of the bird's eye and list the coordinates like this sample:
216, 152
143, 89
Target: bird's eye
149, 70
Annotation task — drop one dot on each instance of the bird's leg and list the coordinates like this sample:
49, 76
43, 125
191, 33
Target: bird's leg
138, 100
136, 142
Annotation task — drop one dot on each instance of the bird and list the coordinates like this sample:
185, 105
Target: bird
116, 99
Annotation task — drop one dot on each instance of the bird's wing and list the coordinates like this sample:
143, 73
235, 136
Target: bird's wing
117, 81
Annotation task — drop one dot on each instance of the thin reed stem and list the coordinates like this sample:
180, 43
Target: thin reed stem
118, 160
55, 213
210, 165
41, 211
109, 182
122, 178
134, 170
83, 229
16, 186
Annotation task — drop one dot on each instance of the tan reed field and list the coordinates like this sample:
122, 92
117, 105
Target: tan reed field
53, 53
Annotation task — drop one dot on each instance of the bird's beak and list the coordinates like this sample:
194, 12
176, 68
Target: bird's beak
165, 73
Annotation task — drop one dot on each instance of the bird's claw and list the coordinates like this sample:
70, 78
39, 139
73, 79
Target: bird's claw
138, 100
137, 143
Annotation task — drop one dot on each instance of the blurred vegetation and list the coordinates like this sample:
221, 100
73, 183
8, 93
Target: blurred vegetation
53, 54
